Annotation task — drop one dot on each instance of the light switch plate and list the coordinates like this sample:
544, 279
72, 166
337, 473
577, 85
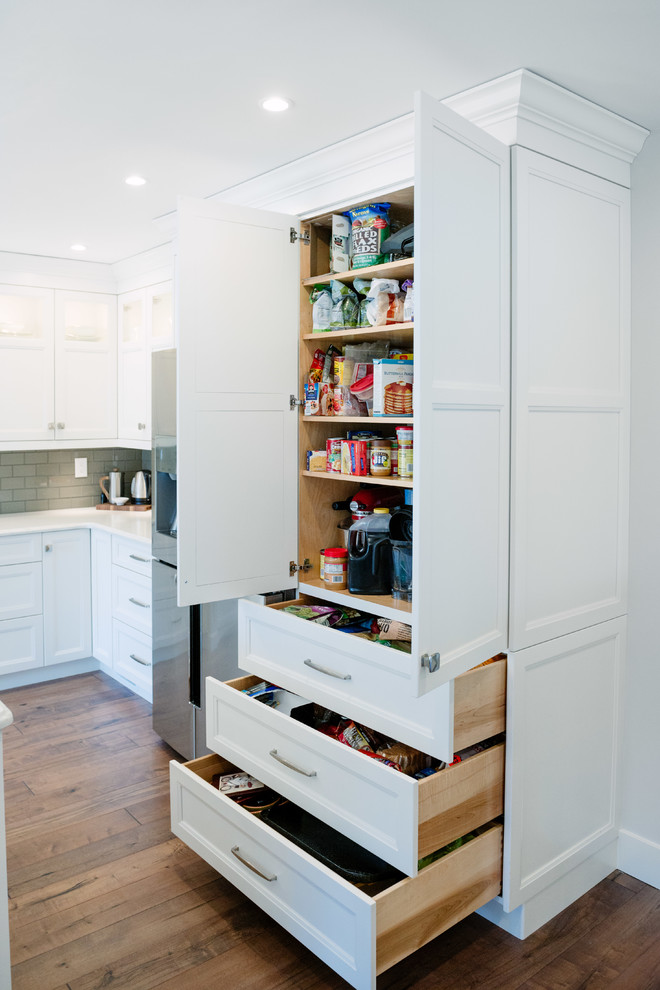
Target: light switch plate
80, 467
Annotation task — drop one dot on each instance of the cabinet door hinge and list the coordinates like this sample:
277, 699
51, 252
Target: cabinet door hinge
293, 402
305, 566
302, 236
431, 661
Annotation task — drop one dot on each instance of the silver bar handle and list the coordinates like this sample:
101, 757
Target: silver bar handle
327, 670
251, 866
291, 766
136, 601
143, 560
145, 663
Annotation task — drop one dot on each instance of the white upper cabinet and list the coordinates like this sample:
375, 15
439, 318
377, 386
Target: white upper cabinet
571, 338
85, 366
58, 365
145, 324
27, 364
237, 299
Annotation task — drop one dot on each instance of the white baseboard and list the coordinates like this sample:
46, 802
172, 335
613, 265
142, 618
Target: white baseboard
50, 673
639, 857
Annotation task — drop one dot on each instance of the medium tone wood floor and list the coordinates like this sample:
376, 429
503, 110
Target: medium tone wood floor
103, 896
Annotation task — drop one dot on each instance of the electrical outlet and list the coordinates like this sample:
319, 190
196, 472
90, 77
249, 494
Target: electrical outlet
80, 467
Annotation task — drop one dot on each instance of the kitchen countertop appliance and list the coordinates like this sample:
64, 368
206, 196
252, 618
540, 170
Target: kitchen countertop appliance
141, 488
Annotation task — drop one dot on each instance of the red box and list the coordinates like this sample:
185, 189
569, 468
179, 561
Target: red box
354, 457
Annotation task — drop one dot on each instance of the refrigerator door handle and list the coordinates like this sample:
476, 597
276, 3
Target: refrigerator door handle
195, 675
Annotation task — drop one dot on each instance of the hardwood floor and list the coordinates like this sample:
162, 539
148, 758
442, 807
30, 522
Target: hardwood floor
103, 896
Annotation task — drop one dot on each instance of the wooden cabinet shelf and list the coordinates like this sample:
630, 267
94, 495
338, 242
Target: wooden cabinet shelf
360, 479
383, 605
380, 420
400, 270
396, 333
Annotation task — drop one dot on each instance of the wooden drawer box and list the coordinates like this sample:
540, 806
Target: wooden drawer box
357, 935
346, 674
396, 817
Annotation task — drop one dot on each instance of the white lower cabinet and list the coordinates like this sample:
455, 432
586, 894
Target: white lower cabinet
66, 595
131, 615
101, 548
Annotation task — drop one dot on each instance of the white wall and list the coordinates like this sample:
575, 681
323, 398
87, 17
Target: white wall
640, 841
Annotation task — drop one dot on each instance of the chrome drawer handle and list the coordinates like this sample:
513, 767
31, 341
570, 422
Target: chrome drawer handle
145, 663
143, 560
327, 670
251, 866
291, 766
138, 602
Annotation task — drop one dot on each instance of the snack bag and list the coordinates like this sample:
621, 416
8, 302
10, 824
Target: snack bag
316, 369
321, 300
409, 301
370, 226
384, 302
362, 286
345, 306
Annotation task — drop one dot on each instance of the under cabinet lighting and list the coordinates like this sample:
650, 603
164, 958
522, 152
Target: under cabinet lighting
78, 247
275, 103
135, 180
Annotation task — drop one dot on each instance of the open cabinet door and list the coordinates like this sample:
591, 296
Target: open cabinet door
461, 402
237, 317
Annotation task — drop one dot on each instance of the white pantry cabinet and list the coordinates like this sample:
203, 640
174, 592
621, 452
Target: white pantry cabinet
145, 324
67, 595
58, 366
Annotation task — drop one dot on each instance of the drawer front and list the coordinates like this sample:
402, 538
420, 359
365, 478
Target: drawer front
21, 644
357, 935
372, 804
131, 599
132, 656
20, 590
327, 914
135, 556
20, 549
339, 671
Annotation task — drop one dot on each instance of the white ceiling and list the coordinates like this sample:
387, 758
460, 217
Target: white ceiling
94, 90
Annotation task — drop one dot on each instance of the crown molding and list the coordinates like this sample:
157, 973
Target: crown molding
55, 273
525, 109
147, 268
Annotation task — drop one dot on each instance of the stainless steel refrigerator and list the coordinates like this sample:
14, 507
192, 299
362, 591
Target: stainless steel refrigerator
188, 643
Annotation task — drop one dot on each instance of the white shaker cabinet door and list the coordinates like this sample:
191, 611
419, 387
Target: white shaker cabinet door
237, 298
27, 369
85, 366
570, 417
67, 596
563, 740
461, 480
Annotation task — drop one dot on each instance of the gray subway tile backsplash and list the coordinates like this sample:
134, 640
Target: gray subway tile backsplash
35, 480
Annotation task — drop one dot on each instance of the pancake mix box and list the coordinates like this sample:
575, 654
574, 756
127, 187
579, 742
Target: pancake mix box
393, 386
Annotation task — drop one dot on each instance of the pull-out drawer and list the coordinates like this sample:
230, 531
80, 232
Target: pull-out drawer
346, 674
132, 658
135, 556
21, 644
131, 599
396, 817
20, 590
20, 549
357, 935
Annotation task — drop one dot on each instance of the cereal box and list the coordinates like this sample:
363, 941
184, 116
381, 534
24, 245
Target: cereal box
393, 387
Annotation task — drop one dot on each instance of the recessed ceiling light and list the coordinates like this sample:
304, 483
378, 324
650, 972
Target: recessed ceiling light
275, 103
135, 180
78, 247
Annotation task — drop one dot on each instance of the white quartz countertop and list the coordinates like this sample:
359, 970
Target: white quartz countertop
136, 525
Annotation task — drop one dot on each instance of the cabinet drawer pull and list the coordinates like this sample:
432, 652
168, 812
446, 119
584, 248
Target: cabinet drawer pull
291, 766
60, 426
327, 670
136, 601
143, 560
145, 663
252, 867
